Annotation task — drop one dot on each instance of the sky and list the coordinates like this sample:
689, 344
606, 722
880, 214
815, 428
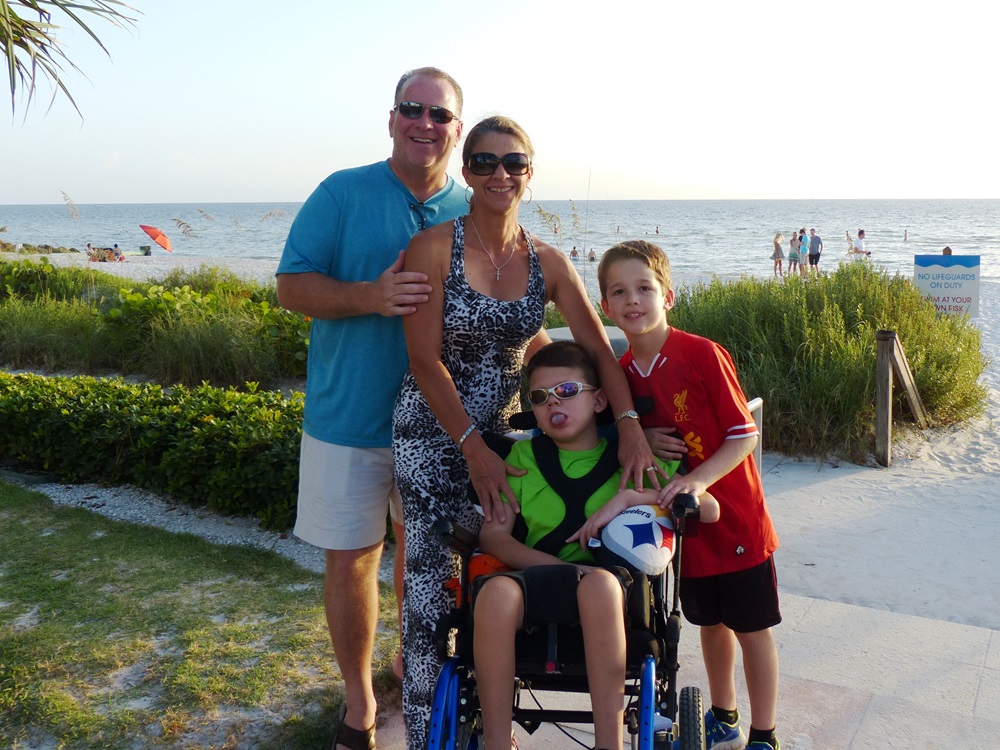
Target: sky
242, 100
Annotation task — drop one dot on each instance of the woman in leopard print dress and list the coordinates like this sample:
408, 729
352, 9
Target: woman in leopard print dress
491, 282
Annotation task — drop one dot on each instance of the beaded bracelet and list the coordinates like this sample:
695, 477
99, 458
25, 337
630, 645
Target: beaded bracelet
461, 440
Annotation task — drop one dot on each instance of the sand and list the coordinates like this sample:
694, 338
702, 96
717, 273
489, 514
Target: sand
916, 538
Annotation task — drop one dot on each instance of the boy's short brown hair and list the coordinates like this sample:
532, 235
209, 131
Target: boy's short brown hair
647, 252
564, 354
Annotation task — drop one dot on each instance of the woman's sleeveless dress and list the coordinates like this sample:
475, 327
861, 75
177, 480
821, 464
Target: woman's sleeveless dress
483, 345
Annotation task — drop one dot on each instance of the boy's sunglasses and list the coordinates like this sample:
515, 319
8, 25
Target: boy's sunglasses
413, 110
484, 164
563, 392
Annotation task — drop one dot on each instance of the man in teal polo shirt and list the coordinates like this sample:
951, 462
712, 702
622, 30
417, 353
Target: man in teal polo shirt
343, 266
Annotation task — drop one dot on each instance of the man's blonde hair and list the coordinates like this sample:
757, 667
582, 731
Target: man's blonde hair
647, 252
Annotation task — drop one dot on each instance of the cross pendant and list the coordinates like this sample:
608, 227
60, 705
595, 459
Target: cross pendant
498, 274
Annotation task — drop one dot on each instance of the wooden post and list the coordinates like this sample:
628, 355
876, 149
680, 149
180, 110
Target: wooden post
883, 397
890, 359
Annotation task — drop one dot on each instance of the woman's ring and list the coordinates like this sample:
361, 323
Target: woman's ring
651, 468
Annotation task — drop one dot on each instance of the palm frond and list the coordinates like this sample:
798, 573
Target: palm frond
32, 50
208, 216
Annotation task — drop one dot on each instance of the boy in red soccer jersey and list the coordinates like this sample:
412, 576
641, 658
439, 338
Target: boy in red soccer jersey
728, 584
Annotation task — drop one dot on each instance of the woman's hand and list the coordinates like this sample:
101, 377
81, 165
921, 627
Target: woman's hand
665, 444
636, 457
488, 473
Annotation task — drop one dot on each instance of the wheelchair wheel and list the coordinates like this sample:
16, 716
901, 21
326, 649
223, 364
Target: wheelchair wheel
451, 726
691, 719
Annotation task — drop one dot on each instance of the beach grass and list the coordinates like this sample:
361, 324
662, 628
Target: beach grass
115, 635
808, 348
190, 327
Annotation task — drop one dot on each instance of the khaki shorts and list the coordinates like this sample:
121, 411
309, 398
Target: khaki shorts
344, 495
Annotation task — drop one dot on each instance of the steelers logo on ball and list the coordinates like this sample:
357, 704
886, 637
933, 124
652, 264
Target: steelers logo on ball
643, 536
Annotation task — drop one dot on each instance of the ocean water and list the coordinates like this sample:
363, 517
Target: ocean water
729, 238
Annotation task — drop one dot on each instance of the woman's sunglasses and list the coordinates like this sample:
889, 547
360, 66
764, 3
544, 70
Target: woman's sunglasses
413, 110
486, 164
563, 392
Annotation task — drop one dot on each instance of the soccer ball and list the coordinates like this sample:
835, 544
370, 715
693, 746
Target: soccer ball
643, 536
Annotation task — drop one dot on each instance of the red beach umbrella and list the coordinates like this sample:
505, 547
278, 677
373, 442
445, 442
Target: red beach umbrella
157, 236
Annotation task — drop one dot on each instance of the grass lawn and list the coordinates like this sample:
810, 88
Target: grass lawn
115, 635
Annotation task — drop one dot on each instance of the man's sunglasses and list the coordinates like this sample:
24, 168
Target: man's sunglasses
486, 164
413, 110
563, 392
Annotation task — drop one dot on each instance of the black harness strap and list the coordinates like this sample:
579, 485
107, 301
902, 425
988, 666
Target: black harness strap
573, 492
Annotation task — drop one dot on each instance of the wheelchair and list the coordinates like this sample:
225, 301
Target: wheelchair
550, 659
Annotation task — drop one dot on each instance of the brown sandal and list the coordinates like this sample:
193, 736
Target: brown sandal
351, 738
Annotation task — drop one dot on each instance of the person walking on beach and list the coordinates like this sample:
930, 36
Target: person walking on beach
815, 249
778, 255
793, 254
342, 265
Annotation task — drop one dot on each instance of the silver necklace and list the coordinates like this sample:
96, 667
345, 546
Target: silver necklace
488, 254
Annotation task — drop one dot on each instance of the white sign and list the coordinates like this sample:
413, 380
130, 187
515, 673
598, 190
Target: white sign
951, 281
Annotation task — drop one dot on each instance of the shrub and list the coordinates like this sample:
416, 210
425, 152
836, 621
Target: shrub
234, 451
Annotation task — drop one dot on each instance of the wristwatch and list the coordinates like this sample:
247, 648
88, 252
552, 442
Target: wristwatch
629, 414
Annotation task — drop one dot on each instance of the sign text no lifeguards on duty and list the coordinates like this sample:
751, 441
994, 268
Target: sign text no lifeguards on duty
951, 281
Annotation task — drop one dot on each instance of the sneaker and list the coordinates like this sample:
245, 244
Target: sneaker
761, 745
722, 736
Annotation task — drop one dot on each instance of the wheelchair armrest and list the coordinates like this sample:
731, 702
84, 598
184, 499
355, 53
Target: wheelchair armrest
687, 505
458, 538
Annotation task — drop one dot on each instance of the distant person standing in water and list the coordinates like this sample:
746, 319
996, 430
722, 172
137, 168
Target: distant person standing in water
592, 256
815, 249
946, 251
858, 251
574, 253
803, 253
793, 254
778, 255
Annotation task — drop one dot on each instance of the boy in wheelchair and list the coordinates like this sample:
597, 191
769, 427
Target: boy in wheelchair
566, 399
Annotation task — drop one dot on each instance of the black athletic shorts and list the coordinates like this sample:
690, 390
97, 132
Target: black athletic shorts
745, 601
814, 260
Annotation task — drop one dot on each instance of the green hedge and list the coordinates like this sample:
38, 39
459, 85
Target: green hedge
232, 451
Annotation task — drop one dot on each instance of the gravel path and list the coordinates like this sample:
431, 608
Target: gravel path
133, 505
